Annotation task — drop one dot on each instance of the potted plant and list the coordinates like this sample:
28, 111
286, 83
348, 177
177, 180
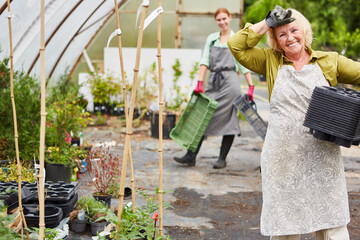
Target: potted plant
96, 212
102, 89
103, 168
77, 218
58, 165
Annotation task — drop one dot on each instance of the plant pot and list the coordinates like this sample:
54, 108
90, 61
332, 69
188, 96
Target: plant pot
57, 172
77, 225
75, 141
3, 163
169, 122
105, 199
97, 227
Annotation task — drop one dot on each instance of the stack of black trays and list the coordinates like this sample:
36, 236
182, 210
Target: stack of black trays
60, 194
334, 115
60, 199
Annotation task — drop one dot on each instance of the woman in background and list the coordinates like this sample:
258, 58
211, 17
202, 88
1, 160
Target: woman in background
223, 86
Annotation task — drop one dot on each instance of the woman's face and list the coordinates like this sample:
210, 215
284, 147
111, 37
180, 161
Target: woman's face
290, 38
223, 21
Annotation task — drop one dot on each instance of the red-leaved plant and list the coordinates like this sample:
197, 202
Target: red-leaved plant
103, 168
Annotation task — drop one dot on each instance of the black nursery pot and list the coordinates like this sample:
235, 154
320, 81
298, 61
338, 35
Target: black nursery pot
57, 172
77, 225
105, 199
97, 227
168, 124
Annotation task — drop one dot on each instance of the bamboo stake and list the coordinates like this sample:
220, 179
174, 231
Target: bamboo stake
131, 113
15, 121
42, 125
161, 103
125, 105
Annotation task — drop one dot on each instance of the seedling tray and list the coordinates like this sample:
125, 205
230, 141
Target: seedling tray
248, 110
193, 121
59, 191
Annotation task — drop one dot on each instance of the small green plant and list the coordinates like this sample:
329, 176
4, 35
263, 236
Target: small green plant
94, 210
138, 224
50, 233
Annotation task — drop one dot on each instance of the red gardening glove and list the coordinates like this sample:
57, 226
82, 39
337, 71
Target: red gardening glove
199, 88
251, 92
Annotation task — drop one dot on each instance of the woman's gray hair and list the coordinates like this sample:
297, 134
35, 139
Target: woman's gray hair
302, 22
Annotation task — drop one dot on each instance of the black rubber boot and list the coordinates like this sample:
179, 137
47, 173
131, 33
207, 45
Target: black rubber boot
226, 144
190, 157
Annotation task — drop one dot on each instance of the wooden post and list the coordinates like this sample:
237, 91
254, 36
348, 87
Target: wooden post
178, 25
15, 120
42, 125
241, 14
131, 113
161, 104
125, 106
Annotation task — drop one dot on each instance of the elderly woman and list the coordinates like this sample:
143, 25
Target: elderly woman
303, 180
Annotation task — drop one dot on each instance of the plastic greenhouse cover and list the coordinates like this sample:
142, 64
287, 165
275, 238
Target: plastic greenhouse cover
69, 26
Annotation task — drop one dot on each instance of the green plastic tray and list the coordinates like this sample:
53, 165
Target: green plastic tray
194, 121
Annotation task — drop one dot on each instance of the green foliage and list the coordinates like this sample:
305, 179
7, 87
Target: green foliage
11, 172
50, 233
335, 26
179, 98
4, 74
27, 103
138, 224
69, 155
91, 207
103, 87
66, 114
5, 220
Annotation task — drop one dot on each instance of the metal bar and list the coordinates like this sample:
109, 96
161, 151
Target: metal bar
68, 44
3, 7
93, 37
53, 34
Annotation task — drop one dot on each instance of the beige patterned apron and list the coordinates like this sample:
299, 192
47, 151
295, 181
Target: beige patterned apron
303, 179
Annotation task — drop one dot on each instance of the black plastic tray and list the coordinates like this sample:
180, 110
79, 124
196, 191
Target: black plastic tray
59, 191
53, 215
66, 207
248, 110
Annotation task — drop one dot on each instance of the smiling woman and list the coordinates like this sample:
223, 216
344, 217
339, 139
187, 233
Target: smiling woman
313, 201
